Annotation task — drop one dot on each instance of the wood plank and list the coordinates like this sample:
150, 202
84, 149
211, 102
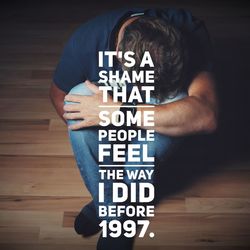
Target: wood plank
30, 218
15, 91
24, 105
42, 182
69, 218
217, 205
171, 205
229, 184
43, 203
42, 246
33, 137
51, 246
55, 149
17, 125
37, 162
56, 235
198, 230
27, 108
21, 234
88, 247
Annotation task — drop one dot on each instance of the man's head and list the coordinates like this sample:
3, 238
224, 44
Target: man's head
166, 47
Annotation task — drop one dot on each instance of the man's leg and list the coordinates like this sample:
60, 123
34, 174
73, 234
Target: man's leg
85, 146
161, 148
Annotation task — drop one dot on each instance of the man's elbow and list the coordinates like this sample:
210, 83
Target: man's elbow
52, 94
56, 94
210, 124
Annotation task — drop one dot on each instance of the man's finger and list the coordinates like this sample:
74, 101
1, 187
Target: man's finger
92, 86
72, 116
72, 107
73, 98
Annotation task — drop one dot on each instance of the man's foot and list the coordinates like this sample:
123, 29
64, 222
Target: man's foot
87, 222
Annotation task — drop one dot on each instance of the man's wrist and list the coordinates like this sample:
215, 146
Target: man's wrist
128, 107
125, 107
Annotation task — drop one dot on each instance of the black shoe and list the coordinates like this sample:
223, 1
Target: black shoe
87, 222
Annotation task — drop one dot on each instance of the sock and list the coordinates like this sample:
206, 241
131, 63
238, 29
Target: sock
87, 222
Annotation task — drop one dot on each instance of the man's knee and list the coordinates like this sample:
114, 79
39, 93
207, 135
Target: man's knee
86, 137
85, 146
161, 146
80, 89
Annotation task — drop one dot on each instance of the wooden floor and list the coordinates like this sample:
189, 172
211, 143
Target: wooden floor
40, 187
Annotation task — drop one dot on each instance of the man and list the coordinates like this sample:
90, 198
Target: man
181, 52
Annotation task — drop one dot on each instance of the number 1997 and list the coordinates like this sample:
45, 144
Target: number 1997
115, 228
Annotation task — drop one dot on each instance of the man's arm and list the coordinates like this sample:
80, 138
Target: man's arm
57, 98
197, 113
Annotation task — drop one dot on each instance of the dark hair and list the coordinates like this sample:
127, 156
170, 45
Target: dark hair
166, 47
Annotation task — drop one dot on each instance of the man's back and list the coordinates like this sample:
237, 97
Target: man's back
79, 60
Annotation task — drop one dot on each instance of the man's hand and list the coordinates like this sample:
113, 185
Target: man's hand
87, 108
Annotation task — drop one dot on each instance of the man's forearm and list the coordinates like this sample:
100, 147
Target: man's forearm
187, 116
196, 113
58, 104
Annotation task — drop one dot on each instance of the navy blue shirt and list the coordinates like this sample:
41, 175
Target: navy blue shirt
79, 60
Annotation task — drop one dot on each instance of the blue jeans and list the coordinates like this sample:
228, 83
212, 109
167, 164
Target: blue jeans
85, 147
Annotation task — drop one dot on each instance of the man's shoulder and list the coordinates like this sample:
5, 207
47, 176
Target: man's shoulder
106, 20
102, 25
95, 32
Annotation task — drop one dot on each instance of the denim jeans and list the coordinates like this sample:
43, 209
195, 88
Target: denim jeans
85, 147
